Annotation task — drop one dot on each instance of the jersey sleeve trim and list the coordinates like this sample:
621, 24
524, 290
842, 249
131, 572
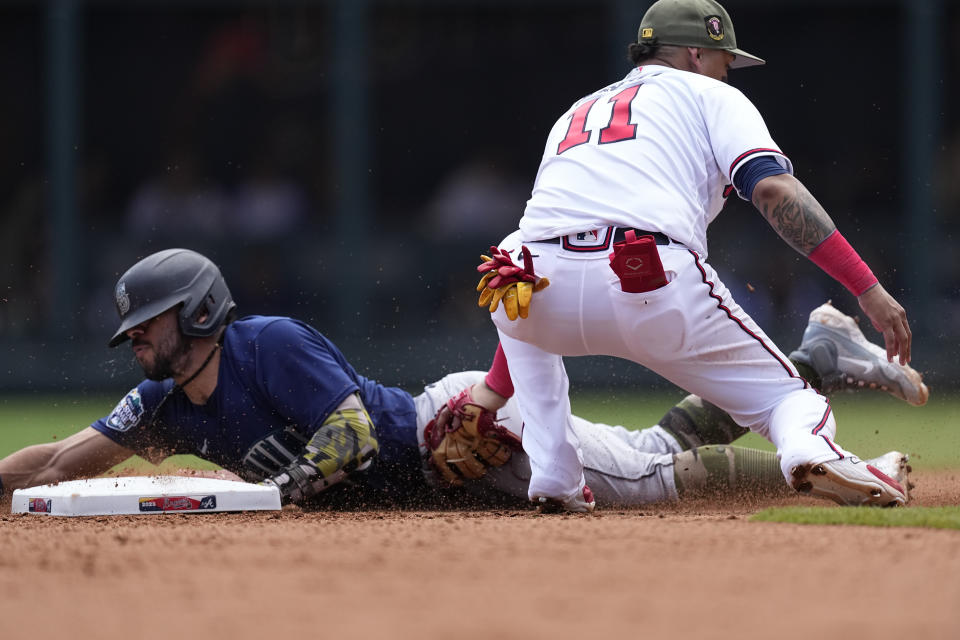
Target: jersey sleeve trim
753, 153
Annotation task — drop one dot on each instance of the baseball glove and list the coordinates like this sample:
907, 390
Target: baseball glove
504, 280
465, 440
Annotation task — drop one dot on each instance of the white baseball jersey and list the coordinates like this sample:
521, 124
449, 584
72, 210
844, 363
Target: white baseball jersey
657, 151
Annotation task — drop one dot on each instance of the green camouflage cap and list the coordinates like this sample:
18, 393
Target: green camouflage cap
693, 23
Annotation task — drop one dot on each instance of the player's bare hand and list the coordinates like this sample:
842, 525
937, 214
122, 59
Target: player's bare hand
890, 319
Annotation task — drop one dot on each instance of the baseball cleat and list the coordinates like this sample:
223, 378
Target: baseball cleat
896, 465
577, 503
849, 481
835, 347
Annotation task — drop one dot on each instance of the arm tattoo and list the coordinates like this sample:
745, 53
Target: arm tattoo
799, 219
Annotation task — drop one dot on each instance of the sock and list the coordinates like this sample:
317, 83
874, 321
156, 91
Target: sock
498, 377
727, 469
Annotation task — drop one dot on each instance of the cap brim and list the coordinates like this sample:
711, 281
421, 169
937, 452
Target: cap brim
744, 59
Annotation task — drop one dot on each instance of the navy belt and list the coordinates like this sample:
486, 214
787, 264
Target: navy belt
618, 236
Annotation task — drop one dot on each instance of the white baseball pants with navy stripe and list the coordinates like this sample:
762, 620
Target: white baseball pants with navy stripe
690, 331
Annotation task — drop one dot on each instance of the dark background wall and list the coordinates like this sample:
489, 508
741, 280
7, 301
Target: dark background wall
347, 162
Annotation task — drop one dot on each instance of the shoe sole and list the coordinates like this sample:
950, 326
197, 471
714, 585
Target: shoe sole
821, 480
552, 505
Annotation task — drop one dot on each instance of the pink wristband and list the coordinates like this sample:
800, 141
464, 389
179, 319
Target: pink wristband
498, 378
835, 256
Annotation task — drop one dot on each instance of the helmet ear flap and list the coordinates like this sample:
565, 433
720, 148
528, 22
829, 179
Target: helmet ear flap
202, 315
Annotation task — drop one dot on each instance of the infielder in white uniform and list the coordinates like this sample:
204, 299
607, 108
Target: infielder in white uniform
689, 451
640, 169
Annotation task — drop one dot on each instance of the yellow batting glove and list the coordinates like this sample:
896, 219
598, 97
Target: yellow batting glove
504, 280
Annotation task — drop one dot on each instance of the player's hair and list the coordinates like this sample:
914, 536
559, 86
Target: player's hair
638, 52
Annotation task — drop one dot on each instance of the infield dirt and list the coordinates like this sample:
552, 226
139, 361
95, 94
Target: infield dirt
693, 570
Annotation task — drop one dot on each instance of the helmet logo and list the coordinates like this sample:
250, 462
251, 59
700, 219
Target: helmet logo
123, 300
714, 27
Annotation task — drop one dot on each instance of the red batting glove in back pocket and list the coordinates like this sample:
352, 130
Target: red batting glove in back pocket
637, 263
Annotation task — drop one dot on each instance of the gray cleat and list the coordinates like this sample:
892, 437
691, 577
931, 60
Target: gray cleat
837, 350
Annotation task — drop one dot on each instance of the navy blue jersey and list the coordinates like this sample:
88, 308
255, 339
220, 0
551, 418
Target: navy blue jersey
279, 379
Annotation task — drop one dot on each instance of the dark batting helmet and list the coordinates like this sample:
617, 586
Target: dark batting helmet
169, 278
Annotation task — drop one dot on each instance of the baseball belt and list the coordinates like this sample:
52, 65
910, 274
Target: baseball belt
582, 241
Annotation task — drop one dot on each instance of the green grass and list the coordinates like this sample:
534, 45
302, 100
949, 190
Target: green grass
26, 420
928, 517
31, 419
869, 423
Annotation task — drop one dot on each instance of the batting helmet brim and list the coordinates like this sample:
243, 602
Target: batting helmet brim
141, 315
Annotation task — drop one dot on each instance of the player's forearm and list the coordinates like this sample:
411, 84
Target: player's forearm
804, 225
29, 467
793, 212
85, 453
345, 441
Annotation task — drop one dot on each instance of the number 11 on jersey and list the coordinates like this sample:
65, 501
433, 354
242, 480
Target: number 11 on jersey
619, 128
